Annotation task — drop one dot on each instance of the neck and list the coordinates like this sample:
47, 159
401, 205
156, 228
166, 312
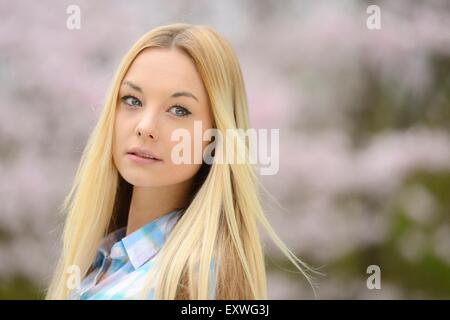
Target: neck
150, 203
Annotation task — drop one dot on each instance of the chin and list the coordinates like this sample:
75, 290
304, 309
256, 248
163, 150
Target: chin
141, 180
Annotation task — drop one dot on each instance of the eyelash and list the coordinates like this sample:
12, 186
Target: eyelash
187, 112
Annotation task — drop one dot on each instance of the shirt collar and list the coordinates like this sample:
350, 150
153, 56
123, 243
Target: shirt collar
106, 245
142, 244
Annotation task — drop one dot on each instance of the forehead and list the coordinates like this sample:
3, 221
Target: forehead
165, 69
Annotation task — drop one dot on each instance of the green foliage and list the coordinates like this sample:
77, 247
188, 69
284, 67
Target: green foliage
19, 287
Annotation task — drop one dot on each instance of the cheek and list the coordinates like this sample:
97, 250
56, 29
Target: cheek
121, 133
185, 170
124, 126
117, 136
174, 174
117, 146
193, 143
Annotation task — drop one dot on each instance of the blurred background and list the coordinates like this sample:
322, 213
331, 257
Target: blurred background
364, 119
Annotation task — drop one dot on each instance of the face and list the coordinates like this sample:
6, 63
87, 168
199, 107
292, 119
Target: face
161, 92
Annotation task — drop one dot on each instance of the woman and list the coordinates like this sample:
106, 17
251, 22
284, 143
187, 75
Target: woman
139, 223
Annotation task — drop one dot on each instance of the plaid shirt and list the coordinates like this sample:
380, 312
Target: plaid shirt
126, 260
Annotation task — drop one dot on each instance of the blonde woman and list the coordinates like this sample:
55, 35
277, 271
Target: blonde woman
142, 226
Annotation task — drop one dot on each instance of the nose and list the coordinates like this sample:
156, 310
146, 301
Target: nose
147, 127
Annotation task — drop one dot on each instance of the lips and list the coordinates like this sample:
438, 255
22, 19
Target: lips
144, 153
141, 160
143, 156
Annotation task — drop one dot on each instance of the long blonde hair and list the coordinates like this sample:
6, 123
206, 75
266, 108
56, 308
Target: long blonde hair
220, 221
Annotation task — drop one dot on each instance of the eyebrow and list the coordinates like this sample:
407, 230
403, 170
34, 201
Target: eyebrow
174, 95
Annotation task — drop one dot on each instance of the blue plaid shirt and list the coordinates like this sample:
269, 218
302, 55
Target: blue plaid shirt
124, 262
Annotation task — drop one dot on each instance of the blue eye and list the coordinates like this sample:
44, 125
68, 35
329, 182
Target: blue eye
131, 101
180, 111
